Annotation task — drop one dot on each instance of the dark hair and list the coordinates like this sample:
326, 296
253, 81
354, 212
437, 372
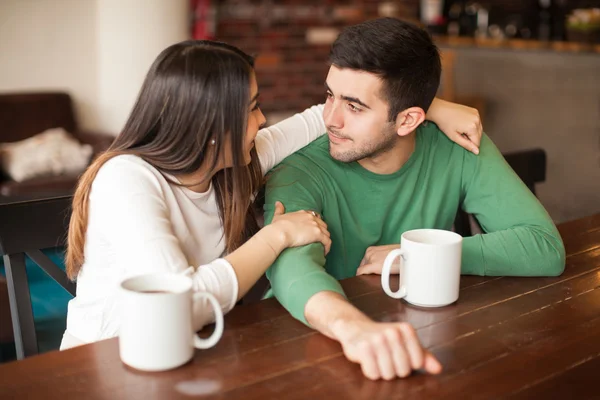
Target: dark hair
194, 92
402, 54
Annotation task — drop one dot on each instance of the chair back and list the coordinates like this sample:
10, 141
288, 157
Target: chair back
24, 115
27, 228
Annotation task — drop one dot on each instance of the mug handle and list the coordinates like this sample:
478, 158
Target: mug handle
200, 343
385, 274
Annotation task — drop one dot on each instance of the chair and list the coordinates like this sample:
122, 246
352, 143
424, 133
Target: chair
28, 227
529, 165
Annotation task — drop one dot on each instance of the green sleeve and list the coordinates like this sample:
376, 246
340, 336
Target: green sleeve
520, 238
299, 272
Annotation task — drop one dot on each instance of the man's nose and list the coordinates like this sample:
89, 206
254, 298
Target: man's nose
333, 115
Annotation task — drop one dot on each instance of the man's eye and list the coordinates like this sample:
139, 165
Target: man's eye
353, 108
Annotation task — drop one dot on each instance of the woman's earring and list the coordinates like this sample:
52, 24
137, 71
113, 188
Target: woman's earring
213, 142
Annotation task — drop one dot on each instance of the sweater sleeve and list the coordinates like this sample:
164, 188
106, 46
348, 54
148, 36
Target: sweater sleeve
128, 203
520, 238
278, 141
299, 272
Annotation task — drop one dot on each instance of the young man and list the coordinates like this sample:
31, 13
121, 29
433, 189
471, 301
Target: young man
381, 171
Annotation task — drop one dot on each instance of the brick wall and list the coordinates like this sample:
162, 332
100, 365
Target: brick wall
291, 39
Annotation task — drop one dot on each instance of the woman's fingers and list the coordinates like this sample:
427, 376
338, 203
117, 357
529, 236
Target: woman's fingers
465, 141
279, 208
326, 240
322, 225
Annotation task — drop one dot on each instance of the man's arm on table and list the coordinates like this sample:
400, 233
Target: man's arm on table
311, 295
522, 240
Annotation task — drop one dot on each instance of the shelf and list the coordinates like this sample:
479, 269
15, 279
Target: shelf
516, 44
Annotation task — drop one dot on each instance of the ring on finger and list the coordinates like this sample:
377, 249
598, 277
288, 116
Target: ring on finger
313, 213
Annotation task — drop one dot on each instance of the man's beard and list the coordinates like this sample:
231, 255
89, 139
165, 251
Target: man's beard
384, 142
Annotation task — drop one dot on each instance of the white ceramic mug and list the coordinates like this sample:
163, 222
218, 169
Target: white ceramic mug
156, 331
430, 267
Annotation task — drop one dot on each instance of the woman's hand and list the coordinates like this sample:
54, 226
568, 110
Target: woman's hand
300, 228
460, 123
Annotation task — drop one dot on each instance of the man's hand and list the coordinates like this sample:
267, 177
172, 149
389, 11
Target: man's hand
372, 262
384, 350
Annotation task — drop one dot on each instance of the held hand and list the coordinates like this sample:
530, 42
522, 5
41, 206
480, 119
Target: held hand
460, 123
372, 262
301, 227
385, 350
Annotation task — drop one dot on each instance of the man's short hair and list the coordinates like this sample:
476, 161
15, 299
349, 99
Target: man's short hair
400, 53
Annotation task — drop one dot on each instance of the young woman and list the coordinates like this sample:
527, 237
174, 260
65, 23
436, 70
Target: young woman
174, 191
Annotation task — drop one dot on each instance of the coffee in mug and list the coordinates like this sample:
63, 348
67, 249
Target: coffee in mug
156, 328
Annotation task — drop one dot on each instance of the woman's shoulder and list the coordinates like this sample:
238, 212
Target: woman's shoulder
125, 165
126, 162
125, 174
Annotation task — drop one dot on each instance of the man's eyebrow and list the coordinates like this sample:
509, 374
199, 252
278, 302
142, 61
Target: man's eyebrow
348, 98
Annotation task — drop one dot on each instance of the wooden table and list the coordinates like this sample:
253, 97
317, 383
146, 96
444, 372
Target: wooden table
518, 338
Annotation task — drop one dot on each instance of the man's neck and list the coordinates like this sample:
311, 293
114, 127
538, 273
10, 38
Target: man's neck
392, 160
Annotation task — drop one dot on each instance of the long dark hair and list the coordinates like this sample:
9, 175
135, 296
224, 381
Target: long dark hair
195, 92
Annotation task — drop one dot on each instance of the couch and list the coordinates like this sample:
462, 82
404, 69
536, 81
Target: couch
23, 115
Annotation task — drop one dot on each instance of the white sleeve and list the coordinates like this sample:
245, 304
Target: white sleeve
278, 141
127, 202
219, 279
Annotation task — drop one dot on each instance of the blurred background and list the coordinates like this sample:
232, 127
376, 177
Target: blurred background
531, 67
70, 71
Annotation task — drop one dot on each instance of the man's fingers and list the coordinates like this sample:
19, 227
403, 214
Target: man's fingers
368, 269
413, 346
387, 369
368, 362
432, 365
399, 356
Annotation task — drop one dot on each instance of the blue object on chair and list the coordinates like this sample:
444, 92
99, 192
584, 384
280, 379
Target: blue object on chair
48, 300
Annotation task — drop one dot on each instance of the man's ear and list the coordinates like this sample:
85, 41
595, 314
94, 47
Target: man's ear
408, 120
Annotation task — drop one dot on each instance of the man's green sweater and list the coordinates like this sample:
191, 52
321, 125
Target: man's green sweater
365, 209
